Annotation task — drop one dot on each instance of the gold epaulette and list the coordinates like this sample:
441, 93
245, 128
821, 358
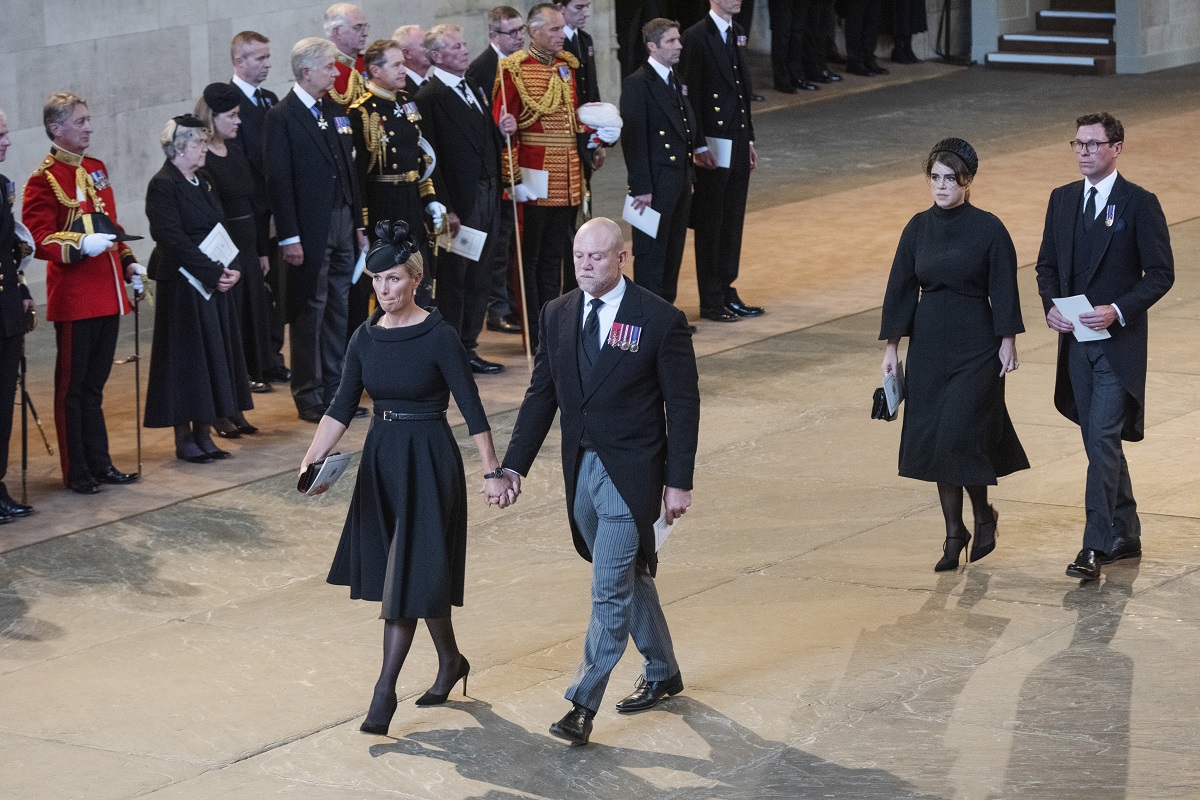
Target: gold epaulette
570, 58
359, 102
355, 88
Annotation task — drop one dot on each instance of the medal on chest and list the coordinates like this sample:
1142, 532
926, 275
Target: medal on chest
564, 72
343, 125
410, 111
322, 123
99, 179
1110, 214
624, 337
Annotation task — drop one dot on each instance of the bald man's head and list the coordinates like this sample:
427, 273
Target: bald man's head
599, 253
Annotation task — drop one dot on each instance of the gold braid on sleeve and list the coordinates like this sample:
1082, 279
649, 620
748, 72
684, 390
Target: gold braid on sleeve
376, 141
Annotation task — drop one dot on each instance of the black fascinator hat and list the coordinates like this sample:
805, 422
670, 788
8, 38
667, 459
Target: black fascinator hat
393, 246
961, 148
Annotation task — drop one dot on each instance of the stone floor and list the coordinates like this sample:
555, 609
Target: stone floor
176, 639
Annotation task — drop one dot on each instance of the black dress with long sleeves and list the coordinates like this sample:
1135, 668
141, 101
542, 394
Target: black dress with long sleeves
233, 180
953, 292
194, 374
405, 537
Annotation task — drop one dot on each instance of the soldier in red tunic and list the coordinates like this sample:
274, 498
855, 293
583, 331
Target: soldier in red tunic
85, 288
347, 27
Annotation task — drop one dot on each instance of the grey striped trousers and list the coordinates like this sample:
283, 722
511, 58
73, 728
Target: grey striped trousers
624, 600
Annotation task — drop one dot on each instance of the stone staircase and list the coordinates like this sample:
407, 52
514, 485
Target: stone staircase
1073, 37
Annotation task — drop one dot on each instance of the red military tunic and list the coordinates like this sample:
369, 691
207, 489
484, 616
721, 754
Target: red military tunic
542, 98
64, 187
351, 80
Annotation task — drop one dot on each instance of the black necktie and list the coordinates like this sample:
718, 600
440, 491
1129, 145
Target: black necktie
591, 332
259, 99
1089, 210
466, 93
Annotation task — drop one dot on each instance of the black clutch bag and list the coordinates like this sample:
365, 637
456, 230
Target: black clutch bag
879, 406
314, 469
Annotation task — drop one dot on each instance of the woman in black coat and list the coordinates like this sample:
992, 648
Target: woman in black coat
953, 292
191, 379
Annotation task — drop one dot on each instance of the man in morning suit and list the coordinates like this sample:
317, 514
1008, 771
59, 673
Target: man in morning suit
506, 35
659, 139
15, 303
250, 52
456, 119
617, 363
1105, 238
715, 72
85, 288
317, 205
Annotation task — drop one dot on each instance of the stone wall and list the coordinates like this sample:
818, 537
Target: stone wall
140, 62
1157, 34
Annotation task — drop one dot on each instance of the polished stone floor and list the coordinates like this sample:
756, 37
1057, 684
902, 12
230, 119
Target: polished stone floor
176, 639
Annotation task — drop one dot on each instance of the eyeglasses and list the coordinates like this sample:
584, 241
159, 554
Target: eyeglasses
514, 32
1090, 147
943, 180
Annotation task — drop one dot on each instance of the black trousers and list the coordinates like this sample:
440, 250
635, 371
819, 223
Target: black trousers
10, 365
718, 213
500, 287
545, 240
275, 292
862, 30
787, 40
656, 261
818, 22
85, 359
463, 284
318, 336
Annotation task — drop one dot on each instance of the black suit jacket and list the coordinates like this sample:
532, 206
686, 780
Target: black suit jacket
640, 410
250, 137
657, 137
482, 71
12, 307
1131, 266
587, 87
302, 175
179, 220
467, 143
720, 97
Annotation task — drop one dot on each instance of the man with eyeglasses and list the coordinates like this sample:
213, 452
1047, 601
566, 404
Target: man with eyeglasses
1106, 239
347, 27
506, 35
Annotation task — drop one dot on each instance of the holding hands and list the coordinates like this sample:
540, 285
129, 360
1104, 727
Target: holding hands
501, 487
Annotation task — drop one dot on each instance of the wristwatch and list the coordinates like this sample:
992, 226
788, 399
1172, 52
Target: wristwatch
499, 473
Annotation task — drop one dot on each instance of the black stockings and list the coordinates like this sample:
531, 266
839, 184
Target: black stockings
397, 639
951, 498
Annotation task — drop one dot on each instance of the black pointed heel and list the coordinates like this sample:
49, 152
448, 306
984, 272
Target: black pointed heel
431, 699
380, 728
985, 536
950, 550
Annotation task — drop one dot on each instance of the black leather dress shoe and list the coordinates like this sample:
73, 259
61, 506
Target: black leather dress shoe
200, 458
827, 76
743, 310
312, 414
855, 68
84, 486
1086, 566
648, 694
217, 454
875, 69
756, 97
786, 89
575, 727
112, 475
807, 86
278, 375
720, 315
6, 518
12, 508
503, 325
481, 366
261, 387
1122, 548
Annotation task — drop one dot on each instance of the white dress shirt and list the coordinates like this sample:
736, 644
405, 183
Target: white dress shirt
415, 77
607, 312
453, 81
248, 89
722, 25
1103, 190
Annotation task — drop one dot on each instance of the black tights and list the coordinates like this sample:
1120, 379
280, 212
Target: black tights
951, 497
397, 639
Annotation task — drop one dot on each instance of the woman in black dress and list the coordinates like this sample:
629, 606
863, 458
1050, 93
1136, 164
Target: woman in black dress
191, 381
404, 541
245, 326
953, 292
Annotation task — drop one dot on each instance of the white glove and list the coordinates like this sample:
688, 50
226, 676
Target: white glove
93, 244
609, 135
135, 280
522, 193
438, 212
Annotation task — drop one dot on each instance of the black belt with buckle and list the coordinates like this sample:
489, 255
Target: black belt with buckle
404, 416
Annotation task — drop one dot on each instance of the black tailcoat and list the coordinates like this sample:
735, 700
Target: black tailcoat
641, 410
1131, 266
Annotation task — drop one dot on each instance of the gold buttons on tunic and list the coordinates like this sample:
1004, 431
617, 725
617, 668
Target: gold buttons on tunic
672, 158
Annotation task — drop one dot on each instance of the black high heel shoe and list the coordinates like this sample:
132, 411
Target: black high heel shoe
431, 699
380, 728
985, 536
950, 550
